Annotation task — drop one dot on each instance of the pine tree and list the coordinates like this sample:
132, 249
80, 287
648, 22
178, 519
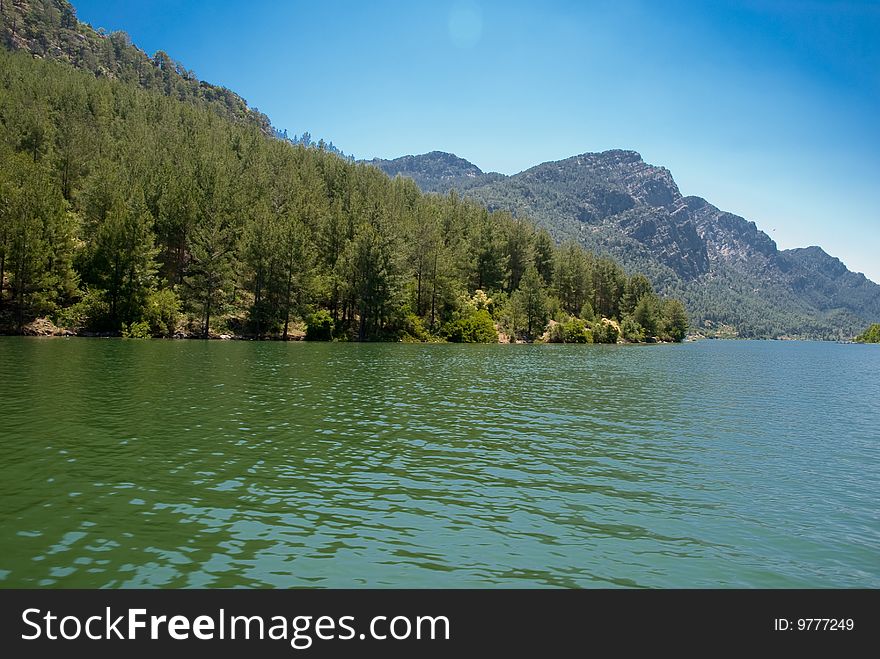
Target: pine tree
488, 262
212, 246
370, 278
518, 250
674, 320
36, 239
154, 203
636, 288
647, 314
125, 258
544, 251
608, 282
571, 277
531, 298
423, 245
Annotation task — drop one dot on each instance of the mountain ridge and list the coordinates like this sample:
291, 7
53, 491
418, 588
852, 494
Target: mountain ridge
726, 268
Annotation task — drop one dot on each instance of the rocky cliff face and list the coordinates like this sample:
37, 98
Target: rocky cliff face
729, 237
727, 269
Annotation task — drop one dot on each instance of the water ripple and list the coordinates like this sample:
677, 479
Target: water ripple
191, 464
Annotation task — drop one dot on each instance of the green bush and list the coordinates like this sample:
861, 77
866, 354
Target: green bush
163, 312
577, 331
556, 333
139, 330
572, 330
475, 327
631, 331
319, 326
413, 329
604, 332
92, 313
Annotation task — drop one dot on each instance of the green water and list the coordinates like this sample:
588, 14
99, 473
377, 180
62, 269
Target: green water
189, 463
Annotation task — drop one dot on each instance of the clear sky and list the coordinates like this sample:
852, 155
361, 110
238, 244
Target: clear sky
769, 109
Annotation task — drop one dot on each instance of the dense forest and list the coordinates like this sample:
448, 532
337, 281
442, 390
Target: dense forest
126, 211
129, 211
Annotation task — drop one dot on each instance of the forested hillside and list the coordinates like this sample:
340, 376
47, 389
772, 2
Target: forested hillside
49, 29
126, 210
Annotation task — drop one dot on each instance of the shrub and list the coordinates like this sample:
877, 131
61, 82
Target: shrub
163, 312
577, 331
92, 312
604, 331
556, 333
319, 326
139, 330
475, 327
413, 329
631, 331
479, 300
572, 330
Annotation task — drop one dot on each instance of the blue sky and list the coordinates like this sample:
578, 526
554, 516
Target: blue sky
768, 109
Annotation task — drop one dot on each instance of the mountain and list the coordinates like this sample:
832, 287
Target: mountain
49, 29
436, 171
729, 272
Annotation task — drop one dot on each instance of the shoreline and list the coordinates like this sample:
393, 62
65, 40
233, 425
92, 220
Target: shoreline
45, 328
68, 334
61, 333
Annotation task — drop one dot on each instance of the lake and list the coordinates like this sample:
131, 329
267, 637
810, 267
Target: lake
242, 464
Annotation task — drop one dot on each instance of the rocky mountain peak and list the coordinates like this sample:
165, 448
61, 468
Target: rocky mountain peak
819, 260
627, 172
437, 171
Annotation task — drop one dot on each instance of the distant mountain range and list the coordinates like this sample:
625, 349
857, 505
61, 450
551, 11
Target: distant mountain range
731, 275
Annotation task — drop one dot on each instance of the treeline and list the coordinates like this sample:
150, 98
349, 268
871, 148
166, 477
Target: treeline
306, 140
127, 211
